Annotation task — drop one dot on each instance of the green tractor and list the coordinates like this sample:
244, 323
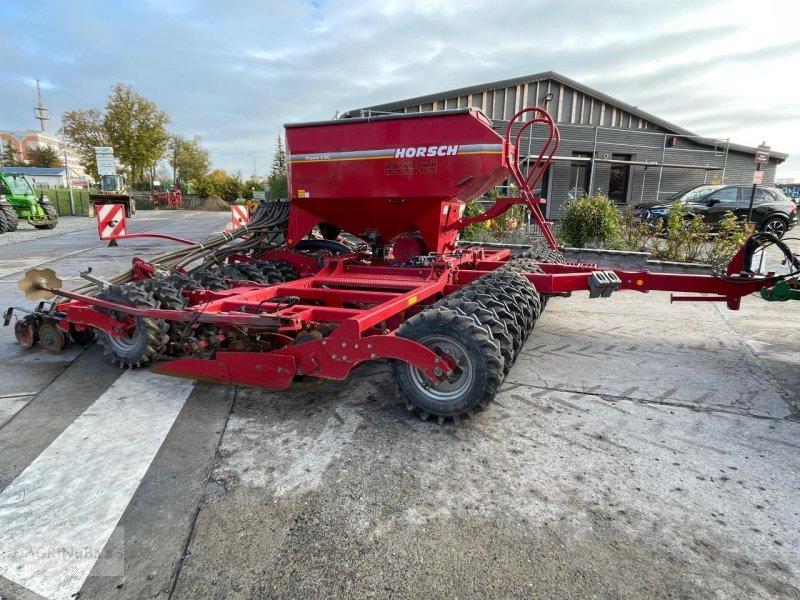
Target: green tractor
18, 200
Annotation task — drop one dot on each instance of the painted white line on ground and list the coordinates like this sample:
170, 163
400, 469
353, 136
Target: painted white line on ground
57, 516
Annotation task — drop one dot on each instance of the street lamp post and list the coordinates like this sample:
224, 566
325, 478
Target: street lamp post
255, 176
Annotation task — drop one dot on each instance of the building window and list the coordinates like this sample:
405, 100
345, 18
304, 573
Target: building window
619, 178
579, 174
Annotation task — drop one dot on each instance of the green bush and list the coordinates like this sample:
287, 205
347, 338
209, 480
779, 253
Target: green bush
591, 221
683, 237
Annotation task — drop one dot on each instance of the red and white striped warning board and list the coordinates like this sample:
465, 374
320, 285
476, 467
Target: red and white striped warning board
239, 216
111, 221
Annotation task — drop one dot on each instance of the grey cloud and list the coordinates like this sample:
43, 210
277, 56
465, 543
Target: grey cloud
234, 72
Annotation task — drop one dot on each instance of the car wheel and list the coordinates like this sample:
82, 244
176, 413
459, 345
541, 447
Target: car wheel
774, 225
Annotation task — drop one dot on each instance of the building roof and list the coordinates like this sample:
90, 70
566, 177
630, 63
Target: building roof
553, 76
34, 171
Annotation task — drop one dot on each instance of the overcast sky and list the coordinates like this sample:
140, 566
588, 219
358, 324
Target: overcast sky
233, 72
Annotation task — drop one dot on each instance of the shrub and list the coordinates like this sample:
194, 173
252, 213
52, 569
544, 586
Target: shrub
730, 237
591, 221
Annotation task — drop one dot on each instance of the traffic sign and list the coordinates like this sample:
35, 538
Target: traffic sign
762, 154
758, 177
106, 164
103, 150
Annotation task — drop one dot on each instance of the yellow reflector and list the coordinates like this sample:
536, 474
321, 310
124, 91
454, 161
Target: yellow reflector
640, 282
412, 300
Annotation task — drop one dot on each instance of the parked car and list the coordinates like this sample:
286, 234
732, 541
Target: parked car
773, 212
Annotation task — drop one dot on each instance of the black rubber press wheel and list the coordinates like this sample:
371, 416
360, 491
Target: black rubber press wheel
476, 377
139, 346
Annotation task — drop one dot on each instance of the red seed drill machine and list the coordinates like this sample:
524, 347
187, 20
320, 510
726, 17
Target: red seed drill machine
274, 300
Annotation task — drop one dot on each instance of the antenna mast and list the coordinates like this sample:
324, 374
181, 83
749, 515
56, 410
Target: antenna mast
40, 112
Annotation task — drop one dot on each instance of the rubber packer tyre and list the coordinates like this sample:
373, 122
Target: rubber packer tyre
140, 347
11, 218
241, 272
209, 280
512, 297
500, 309
168, 296
522, 265
542, 253
488, 319
525, 288
473, 384
527, 265
270, 271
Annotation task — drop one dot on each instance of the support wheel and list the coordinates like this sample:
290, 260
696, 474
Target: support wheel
144, 339
476, 377
52, 338
25, 331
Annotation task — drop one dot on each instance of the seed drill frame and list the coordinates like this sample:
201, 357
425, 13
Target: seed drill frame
450, 318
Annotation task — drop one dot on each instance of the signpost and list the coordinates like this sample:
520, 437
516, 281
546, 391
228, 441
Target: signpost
761, 158
106, 163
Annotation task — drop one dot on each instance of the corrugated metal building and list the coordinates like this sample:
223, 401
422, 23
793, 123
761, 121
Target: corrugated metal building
607, 146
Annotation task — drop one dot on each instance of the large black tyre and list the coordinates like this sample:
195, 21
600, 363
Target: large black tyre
514, 299
10, 215
169, 297
522, 265
3, 222
543, 253
209, 280
488, 319
242, 272
139, 347
512, 321
473, 383
182, 281
525, 288
288, 271
270, 271
51, 215
527, 265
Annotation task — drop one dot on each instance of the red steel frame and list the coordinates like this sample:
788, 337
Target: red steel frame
365, 303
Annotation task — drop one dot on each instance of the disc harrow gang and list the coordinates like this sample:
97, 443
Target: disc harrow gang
362, 264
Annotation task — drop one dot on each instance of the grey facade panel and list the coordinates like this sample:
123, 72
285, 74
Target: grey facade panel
632, 133
643, 146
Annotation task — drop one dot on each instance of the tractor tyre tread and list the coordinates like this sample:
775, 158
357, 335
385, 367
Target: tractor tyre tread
483, 353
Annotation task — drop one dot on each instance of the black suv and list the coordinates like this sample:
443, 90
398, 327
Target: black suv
772, 211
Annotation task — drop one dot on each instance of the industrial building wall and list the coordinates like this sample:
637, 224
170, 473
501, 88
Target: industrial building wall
638, 146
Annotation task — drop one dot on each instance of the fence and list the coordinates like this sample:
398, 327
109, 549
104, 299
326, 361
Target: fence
59, 198
60, 201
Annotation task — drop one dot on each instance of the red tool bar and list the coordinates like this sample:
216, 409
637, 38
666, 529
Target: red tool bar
355, 326
641, 281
